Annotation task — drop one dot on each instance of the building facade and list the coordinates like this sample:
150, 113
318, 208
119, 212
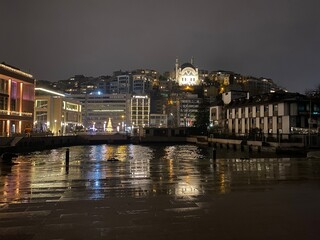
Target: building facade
186, 74
140, 111
16, 100
274, 113
102, 110
188, 105
158, 120
55, 113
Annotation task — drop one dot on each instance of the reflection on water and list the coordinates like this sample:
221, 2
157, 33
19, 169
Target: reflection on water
180, 170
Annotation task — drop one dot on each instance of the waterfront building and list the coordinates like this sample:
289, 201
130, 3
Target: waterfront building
217, 117
273, 113
54, 112
139, 111
97, 109
158, 120
16, 100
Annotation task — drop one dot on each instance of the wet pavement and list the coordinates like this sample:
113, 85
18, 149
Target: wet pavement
158, 192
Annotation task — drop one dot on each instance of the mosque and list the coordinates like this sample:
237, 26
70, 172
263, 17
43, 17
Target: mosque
187, 74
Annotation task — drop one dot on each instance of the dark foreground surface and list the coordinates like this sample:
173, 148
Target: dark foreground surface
158, 192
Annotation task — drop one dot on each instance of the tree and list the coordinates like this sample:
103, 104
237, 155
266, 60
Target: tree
202, 117
313, 93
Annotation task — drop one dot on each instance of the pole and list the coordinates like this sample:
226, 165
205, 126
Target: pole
67, 160
310, 124
214, 154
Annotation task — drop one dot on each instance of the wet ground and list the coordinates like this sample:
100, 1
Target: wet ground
158, 192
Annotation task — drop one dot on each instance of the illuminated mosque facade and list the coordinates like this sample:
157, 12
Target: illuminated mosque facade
187, 74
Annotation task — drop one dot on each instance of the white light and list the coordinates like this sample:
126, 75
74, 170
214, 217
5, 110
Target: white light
107, 110
140, 96
49, 91
16, 70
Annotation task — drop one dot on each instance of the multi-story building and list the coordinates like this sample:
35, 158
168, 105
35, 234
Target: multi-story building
124, 84
158, 120
272, 113
55, 113
140, 111
102, 110
141, 84
77, 84
258, 86
16, 100
227, 81
188, 105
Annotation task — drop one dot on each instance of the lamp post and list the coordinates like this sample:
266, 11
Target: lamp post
122, 123
309, 123
55, 126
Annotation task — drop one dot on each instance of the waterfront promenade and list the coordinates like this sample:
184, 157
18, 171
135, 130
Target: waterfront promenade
158, 192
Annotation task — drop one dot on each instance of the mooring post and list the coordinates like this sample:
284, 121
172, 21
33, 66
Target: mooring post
214, 154
250, 148
67, 160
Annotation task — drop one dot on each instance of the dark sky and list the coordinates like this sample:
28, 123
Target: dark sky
56, 39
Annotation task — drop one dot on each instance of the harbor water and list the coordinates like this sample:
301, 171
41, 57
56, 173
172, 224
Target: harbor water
186, 186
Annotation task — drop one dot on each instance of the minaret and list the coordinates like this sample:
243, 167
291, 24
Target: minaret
177, 67
192, 60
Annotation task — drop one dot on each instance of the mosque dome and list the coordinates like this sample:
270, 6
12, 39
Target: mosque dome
185, 65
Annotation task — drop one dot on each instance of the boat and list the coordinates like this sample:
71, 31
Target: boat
113, 159
313, 154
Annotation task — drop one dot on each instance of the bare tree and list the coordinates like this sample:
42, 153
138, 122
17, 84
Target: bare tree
314, 93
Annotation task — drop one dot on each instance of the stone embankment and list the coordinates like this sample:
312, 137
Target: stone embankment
25, 144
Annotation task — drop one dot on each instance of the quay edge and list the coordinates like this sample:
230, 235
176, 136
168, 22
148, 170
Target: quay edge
29, 144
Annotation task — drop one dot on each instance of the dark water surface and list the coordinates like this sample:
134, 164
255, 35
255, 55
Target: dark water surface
145, 170
159, 192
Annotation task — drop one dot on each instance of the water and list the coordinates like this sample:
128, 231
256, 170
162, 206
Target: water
145, 171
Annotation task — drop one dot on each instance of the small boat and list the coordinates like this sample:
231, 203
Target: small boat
113, 159
313, 154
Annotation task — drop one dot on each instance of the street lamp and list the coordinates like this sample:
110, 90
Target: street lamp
122, 123
309, 123
55, 126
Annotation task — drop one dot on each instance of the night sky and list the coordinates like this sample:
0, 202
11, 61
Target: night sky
57, 39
